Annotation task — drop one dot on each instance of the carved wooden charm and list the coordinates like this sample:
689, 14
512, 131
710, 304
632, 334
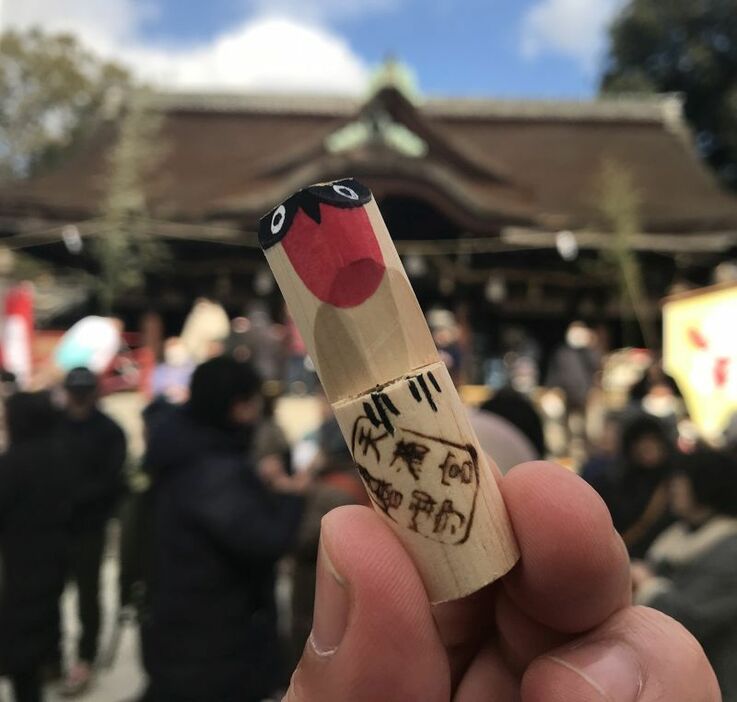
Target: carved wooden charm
394, 399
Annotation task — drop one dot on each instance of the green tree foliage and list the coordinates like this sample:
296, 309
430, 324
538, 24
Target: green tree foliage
687, 46
619, 206
125, 248
51, 92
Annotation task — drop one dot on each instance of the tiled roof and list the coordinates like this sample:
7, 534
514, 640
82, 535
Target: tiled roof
490, 162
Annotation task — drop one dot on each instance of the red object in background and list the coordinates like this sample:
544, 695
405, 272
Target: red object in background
721, 364
17, 333
721, 371
295, 342
130, 370
696, 338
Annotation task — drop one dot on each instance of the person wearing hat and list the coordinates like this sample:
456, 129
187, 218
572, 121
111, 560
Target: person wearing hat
95, 448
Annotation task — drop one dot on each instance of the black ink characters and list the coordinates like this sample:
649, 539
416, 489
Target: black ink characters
381, 492
455, 469
411, 454
423, 386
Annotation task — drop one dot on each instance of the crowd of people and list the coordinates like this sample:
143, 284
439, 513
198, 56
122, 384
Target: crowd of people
206, 514
221, 506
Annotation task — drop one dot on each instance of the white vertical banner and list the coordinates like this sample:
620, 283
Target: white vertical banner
17, 333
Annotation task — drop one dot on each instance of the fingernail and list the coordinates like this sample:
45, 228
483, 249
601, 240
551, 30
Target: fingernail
331, 606
611, 668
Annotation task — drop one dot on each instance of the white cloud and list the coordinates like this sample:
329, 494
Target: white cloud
265, 52
262, 54
572, 28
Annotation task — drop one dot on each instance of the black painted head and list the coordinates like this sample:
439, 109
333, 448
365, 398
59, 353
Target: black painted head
346, 194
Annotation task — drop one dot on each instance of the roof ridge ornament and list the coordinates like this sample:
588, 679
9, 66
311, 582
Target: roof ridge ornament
377, 126
395, 74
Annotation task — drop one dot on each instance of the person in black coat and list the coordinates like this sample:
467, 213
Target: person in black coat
95, 448
518, 410
35, 511
209, 631
573, 367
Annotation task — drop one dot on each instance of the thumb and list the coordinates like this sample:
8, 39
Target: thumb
373, 635
637, 655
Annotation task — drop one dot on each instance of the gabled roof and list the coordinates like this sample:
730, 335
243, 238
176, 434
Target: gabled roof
486, 162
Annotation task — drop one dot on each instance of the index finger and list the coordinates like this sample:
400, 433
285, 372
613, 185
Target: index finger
574, 569
573, 572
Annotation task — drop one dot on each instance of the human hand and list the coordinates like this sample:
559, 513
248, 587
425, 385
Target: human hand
271, 469
273, 475
558, 628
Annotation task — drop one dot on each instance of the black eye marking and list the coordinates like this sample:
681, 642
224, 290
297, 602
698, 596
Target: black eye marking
345, 191
278, 219
344, 194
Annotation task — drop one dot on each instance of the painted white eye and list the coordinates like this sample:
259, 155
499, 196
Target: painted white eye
277, 219
345, 191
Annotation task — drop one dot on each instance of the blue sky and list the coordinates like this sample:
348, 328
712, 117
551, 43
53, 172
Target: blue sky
508, 48
464, 47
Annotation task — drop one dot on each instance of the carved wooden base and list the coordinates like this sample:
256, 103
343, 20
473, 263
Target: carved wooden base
426, 475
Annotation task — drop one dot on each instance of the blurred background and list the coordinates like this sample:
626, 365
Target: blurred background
559, 178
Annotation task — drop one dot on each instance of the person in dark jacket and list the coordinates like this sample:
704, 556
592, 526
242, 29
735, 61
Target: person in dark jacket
210, 632
635, 486
518, 410
35, 510
95, 447
690, 571
573, 367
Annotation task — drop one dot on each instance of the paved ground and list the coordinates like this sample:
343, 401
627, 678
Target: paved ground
123, 681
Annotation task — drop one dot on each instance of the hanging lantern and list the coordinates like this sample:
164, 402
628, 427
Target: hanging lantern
566, 245
263, 283
72, 239
495, 290
415, 266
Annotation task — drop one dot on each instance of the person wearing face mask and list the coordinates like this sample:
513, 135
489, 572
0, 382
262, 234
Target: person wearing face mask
657, 394
574, 366
209, 620
690, 571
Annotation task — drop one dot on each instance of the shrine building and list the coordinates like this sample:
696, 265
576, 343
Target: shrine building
498, 207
